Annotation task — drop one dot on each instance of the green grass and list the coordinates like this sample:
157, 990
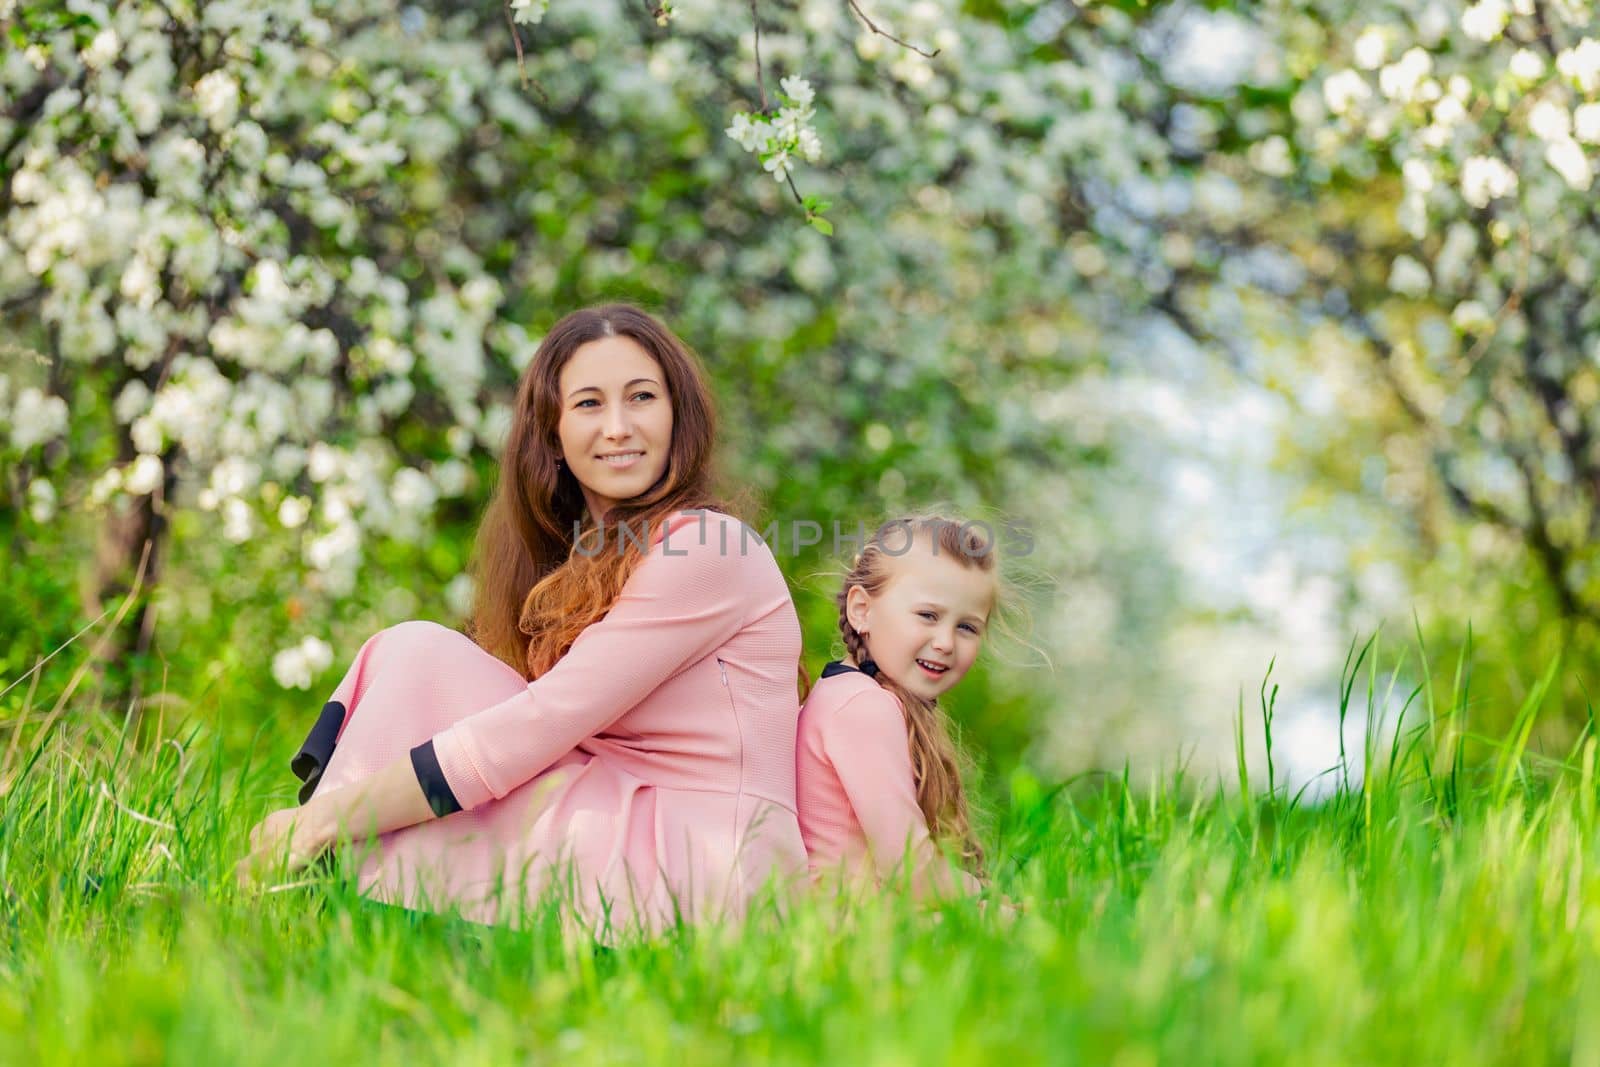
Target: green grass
1440, 908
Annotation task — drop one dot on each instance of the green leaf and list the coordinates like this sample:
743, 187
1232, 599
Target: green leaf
821, 225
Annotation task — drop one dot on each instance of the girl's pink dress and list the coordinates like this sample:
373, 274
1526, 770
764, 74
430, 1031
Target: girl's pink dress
854, 781
649, 774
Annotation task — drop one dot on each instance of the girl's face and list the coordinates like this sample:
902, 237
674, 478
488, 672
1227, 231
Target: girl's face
616, 420
926, 626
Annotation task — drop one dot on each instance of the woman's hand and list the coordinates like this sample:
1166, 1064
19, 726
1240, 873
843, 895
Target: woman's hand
295, 831
389, 799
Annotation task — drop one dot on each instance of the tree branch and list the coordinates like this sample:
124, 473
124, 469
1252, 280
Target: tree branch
516, 39
761, 82
862, 15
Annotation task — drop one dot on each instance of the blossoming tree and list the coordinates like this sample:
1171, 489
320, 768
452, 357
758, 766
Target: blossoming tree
1421, 176
269, 269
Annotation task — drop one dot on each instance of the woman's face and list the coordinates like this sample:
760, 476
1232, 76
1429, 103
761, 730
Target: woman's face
616, 420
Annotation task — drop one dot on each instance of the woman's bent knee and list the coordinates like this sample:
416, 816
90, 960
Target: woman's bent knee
430, 645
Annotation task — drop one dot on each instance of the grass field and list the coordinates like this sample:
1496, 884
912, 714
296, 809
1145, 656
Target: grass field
1437, 909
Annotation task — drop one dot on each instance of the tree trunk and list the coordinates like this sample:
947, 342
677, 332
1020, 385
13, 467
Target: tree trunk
130, 537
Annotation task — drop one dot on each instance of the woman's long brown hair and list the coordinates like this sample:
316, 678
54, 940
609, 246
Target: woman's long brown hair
937, 763
533, 594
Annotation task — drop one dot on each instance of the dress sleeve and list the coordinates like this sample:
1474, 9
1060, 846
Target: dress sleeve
687, 597
865, 740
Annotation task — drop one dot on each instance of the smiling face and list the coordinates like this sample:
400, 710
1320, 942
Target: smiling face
932, 614
616, 421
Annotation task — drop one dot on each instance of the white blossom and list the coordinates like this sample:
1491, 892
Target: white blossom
452, 477
293, 512
140, 283
340, 546
1409, 277
776, 140
1470, 316
146, 435
1526, 65
746, 134
1417, 175
297, 666
412, 491
777, 164
36, 418
1484, 178
1345, 90
1581, 64
41, 500
102, 49
1485, 20
322, 462
529, 12
1549, 121
1586, 123
1448, 112
143, 476
217, 95
1401, 80
234, 476
1271, 156
133, 401
1370, 49
798, 90
809, 144
1567, 158
237, 522
105, 486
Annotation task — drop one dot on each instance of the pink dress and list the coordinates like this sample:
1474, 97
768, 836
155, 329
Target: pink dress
648, 775
859, 815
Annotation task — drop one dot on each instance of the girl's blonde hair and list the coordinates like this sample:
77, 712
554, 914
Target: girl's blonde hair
937, 763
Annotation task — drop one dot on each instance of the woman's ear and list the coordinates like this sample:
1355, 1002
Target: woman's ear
858, 608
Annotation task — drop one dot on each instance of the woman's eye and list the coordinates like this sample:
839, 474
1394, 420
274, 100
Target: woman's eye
646, 395
927, 615
589, 401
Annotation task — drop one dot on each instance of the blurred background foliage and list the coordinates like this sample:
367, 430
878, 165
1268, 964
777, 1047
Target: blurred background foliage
1157, 282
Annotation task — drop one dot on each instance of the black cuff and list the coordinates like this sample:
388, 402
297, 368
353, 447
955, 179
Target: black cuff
312, 759
440, 796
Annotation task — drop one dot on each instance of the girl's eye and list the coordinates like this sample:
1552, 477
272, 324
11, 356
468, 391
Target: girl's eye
927, 615
970, 628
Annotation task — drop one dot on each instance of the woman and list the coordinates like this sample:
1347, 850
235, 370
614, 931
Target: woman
622, 722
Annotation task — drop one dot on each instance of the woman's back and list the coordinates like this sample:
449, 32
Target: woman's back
726, 721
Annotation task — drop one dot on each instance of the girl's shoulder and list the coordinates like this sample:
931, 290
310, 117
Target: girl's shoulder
850, 693
851, 714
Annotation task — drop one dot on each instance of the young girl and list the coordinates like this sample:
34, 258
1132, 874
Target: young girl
878, 777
